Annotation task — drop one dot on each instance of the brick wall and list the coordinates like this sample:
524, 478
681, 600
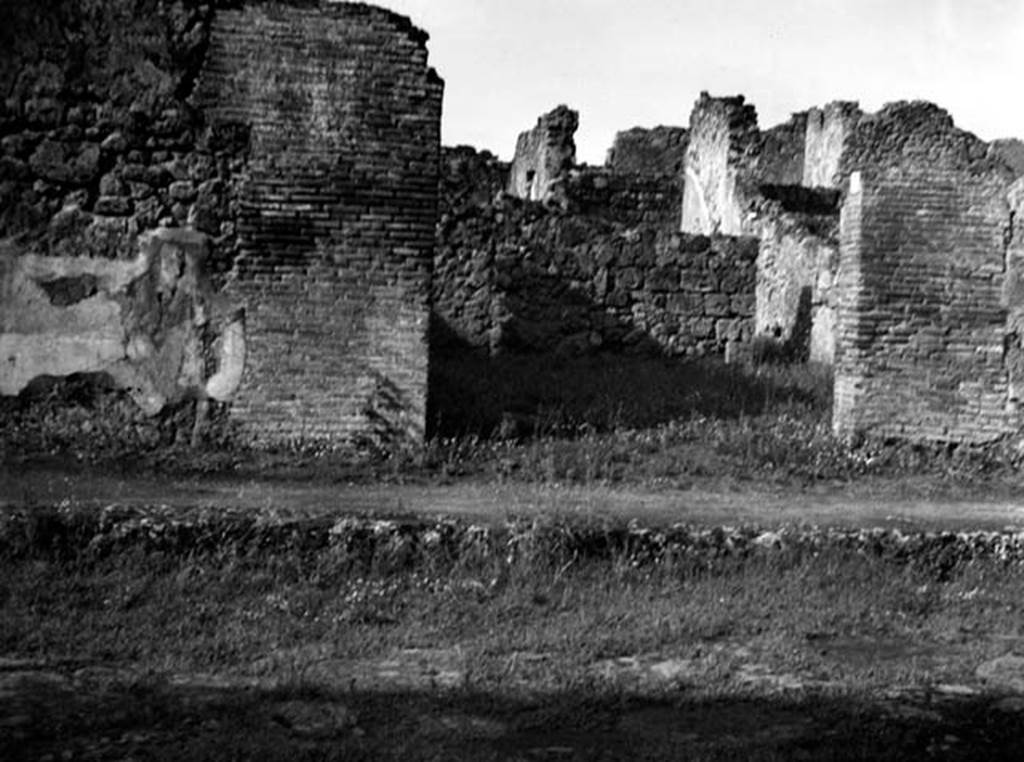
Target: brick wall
921, 325
337, 215
302, 137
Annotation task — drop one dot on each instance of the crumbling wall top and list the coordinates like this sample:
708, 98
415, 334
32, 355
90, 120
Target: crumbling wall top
723, 147
1011, 152
544, 155
908, 133
651, 152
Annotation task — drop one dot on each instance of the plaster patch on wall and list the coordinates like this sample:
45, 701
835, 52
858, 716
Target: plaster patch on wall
145, 321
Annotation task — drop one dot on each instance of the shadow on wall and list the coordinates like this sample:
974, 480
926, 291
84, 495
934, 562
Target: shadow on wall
522, 395
794, 348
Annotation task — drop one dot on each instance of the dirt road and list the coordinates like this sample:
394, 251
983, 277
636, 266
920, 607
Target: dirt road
731, 504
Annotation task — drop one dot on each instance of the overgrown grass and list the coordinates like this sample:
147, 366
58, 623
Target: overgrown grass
640, 421
217, 589
668, 422
534, 610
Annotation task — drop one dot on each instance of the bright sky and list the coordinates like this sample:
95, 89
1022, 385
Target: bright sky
623, 63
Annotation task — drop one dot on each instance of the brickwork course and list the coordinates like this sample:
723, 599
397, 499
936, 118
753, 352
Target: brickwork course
926, 335
336, 218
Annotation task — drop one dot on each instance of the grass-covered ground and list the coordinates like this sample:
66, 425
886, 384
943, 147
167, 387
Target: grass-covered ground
166, 636
156, 633
642, 422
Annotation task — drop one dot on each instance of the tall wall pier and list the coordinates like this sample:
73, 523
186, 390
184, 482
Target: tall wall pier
927, 333
337, 215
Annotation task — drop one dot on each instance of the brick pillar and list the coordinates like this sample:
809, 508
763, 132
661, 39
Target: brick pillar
337, 216
921, 327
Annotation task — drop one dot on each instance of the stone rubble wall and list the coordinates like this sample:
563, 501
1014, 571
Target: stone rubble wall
914, 133
655, 152
743, 181
627, 199
544, 155
98, 139
517, 276
1010, 151
470, 178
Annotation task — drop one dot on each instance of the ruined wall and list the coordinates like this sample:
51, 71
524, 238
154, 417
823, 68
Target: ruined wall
912, 133
1011, 152
654, 152
925, 349
921, 324
469, 178
515, 276
544, 155
744, 181
1013, 299
781, 153
722, 145
153, 323
302, 137
337, 215
828, 129
796, 268
627, 199
98, 140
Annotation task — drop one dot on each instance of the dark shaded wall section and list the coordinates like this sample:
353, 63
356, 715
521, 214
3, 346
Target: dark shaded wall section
652, 152
606, 271
99, 140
